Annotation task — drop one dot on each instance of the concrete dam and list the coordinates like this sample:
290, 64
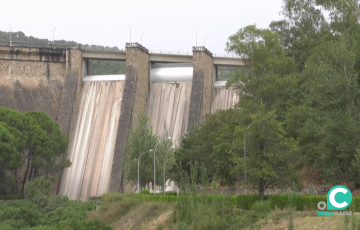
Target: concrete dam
97, 112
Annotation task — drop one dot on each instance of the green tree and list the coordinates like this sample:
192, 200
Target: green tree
38, 139
10, 158
333, 95
44, 146
306, 68
209, 145
141, 139
270, 155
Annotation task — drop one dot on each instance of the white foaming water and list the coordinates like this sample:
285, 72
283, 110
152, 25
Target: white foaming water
92, 146
224, 98
168, 109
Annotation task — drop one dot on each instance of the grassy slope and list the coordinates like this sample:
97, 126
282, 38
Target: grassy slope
125, 212
307, 220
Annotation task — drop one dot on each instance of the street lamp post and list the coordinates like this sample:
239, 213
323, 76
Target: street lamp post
53, 36
155, 163
138, 183
130, 33
141, 38
196, 36
10, 33
246, 191
164, 173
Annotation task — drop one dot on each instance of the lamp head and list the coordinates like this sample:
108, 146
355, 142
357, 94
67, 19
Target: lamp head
150, 150
169, 138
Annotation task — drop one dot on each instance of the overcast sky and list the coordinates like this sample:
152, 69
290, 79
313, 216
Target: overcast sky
167, 25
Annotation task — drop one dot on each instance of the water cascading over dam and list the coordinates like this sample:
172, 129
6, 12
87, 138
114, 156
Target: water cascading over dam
223, 98
91, 150
169, 100
168, 109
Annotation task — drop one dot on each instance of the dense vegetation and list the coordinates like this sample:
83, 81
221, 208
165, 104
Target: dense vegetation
39, 210
299, 107
31, 141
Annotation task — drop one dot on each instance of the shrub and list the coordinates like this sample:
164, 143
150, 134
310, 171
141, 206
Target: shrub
13, 224
73, 210
76, 224
307, 202
171, 193
38, 191
264, 206
20, 210
145, 191
55, 202
246, 201
215, 222
11, 197
279, 201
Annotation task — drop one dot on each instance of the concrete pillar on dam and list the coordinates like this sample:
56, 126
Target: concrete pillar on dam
202, 86
71, 91
133, 103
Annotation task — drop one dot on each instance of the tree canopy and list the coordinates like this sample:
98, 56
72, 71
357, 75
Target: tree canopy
299, 103
142, 140
32, 139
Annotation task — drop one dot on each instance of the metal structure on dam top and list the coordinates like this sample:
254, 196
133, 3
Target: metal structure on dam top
107, 53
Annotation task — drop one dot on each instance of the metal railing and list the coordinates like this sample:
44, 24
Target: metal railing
202, 49
137, 45
101, 48
39, 45
113, 49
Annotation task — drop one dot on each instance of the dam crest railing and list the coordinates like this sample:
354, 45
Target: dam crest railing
111, 49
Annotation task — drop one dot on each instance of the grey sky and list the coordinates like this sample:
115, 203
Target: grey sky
167, 25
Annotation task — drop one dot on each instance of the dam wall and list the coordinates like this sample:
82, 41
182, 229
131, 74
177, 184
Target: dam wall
42, 79
97, 113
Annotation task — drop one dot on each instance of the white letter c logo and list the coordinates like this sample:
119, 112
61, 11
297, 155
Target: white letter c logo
332, 198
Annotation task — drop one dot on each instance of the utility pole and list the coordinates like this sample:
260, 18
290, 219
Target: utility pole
130, 33
53, 36
10, 33
196, 36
